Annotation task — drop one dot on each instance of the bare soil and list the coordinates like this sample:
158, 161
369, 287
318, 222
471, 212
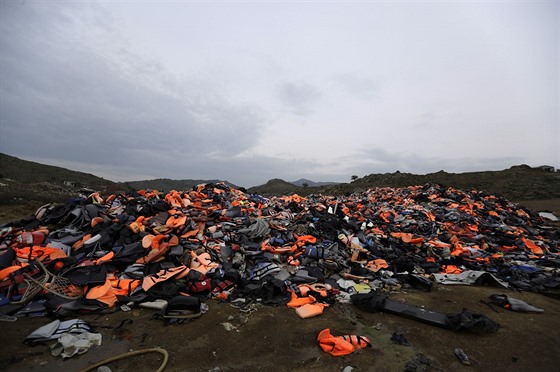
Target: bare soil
276, 338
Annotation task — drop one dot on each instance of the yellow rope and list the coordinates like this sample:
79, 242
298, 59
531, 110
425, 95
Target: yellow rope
132, 353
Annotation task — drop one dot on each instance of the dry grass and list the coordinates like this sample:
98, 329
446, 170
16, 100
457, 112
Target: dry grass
15, 212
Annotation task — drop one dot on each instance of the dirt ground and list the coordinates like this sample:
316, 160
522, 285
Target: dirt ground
276, 338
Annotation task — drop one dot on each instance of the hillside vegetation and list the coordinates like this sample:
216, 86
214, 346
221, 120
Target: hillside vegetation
516, 183
29, 172
24, 183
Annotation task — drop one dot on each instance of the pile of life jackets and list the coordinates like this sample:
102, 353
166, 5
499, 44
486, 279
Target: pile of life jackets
218, 243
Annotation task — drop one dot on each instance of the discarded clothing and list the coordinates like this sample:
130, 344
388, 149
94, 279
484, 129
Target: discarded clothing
514, 304
399, 338
69, 344
56, 328
470, 277
549, 216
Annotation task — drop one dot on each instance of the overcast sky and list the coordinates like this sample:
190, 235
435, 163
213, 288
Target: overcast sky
253, 90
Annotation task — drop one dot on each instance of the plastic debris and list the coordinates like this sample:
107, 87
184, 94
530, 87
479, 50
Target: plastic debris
462, 356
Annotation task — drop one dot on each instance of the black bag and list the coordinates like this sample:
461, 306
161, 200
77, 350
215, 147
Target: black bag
475, 323
87, 275
183, 305
166, 290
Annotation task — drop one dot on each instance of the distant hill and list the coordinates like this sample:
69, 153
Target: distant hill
276, 186
166, 184
25, 171
22, 180
302, 182
519, 182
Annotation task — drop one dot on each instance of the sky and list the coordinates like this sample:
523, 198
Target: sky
247, 91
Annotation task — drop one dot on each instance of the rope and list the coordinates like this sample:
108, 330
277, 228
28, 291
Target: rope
132, 353
248, 309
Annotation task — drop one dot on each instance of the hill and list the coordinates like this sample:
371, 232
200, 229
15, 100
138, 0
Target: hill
276, 186
166, 184
29, 172
28, 181
519, 182
303, 181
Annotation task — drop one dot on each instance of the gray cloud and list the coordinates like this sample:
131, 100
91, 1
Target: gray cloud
357, 85
243, 171
299, 97
63, 98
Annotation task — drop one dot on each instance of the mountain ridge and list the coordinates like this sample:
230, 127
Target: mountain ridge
27, 180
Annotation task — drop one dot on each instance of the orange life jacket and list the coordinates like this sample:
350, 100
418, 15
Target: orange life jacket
341, 345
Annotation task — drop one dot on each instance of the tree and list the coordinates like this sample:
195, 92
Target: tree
354, 177
305, 185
